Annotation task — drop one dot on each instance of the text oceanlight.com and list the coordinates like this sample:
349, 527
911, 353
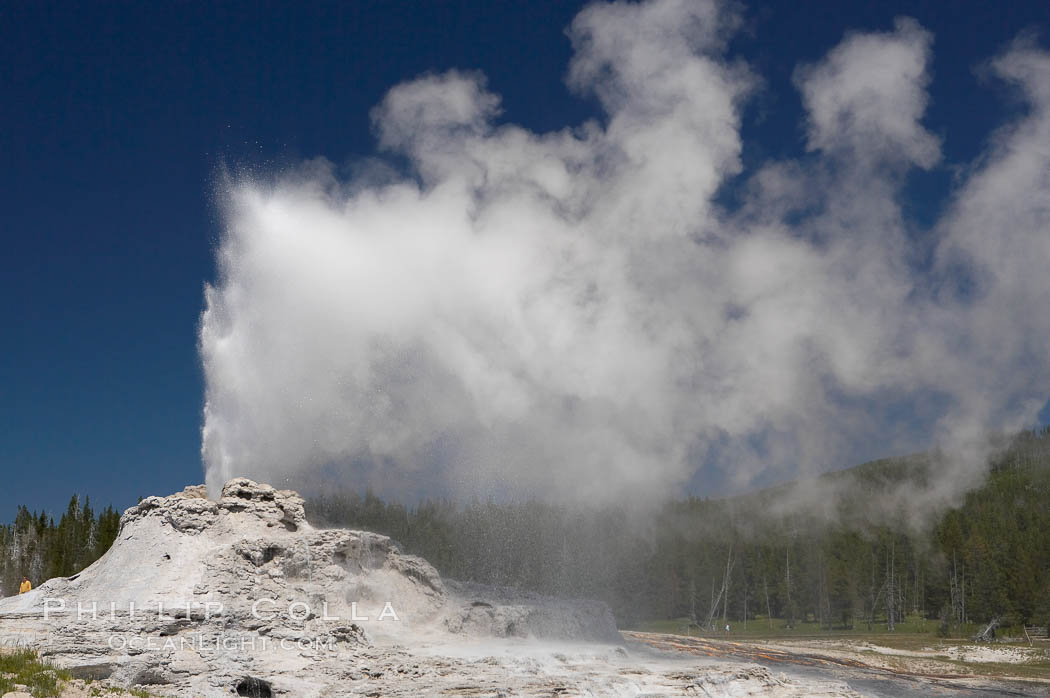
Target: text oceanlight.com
237, 642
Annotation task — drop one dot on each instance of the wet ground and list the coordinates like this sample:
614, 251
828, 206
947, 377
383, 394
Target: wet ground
860, 676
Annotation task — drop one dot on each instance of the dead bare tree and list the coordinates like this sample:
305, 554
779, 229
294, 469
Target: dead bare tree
722, 593
725, 585
824, 596
988, 634
769, 612
745, 604
953, 588
890, 591
692, 600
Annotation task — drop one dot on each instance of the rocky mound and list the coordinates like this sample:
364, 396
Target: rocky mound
201, 597
241, 596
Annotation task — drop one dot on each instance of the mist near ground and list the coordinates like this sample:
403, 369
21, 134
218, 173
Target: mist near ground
485, 310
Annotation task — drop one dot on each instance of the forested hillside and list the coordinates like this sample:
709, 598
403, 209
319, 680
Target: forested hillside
863, 560
36, 547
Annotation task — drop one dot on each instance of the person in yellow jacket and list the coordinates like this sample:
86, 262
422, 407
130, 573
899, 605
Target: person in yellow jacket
26, 586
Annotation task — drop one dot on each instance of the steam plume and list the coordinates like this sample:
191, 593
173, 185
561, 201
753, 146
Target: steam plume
572, 314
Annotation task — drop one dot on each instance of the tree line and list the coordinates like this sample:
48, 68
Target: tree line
36, 547
722, 560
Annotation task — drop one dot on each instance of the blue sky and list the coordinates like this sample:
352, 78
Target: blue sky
116, 120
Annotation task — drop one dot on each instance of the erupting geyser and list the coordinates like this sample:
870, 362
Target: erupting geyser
582, 314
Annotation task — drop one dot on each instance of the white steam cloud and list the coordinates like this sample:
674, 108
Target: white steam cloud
573, 314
